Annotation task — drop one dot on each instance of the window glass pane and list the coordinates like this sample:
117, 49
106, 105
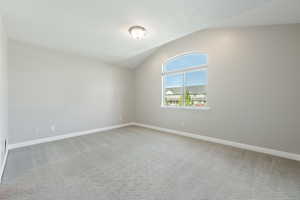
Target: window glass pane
196, 78
195, 88
173, 90
185, 61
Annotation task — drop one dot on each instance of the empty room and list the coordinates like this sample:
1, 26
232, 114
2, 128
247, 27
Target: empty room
150, 100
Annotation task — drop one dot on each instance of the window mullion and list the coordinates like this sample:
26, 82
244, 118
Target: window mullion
183, 86
163, 90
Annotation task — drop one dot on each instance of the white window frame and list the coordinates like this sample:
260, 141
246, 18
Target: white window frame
182, 71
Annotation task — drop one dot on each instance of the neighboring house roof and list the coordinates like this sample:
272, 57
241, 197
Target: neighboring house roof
191, 89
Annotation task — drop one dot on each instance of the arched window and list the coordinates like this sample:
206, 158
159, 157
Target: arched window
184, 79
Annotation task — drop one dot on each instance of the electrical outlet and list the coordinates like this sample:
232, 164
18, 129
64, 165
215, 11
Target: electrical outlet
182, 124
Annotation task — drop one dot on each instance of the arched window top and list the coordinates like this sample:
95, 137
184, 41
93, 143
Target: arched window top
184, 61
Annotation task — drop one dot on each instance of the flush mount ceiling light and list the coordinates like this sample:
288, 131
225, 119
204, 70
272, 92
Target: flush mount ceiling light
137, 32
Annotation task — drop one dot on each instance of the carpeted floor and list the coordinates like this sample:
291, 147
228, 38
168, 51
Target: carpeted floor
135, 163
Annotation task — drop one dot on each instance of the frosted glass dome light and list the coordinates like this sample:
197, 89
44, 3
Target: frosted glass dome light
137, 32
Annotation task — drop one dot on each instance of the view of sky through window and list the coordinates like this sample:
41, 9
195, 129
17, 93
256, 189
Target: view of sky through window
196, 78
173, 81
184, 61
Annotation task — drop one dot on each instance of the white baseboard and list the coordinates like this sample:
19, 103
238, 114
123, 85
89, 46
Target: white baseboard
60, 137
273, 152
3, 165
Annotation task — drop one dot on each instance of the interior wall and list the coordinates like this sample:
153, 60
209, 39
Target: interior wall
3, 92
53, 93
253, 86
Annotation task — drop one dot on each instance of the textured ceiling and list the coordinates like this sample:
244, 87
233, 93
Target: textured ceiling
98, 28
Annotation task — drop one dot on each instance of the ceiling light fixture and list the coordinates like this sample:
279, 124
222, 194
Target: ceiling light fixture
137, 32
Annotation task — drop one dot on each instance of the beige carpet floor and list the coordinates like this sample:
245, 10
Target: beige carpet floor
134, 163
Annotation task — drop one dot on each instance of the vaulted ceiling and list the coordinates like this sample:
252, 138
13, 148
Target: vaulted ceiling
99, 28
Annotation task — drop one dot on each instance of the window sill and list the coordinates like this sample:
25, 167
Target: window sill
187, 108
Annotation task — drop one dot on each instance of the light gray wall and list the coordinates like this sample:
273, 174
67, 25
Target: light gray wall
3, 92
253, 88
72, 93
